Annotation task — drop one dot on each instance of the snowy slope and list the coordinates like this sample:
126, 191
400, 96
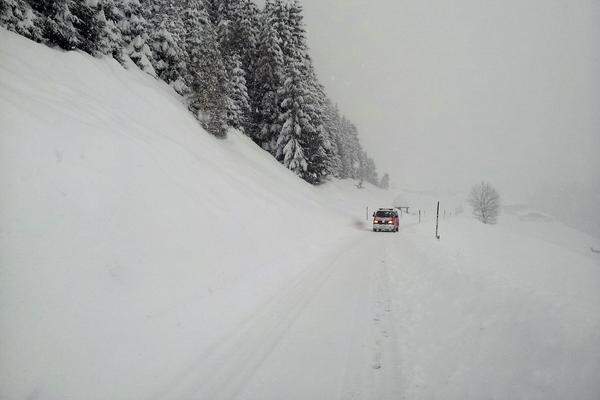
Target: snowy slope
125, 228
140, 258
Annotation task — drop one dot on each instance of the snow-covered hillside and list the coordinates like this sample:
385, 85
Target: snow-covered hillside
141, 258
125, 227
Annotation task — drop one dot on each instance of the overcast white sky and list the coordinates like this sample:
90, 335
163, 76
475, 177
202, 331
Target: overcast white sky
446, 93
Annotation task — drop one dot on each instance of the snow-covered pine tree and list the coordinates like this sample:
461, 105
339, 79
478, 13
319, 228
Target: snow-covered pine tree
238, 29
69, 24
236, 25
295, 35
316, 154
238, 110
312, 138
320, 147
248, 34
223, 15
331, 122
111, 37
169, 58
370, 169
166, 42
57, 22
268, 78
17, 16
343, 148
295, 124
91, 24
362, 165
207, 76
213, 10
278, 12
351, 149
134, 30
385, 181
77, 24
110, 40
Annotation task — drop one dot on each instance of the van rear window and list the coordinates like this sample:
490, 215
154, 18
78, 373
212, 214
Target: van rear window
385, 214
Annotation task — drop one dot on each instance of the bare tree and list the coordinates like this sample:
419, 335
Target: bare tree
485, 202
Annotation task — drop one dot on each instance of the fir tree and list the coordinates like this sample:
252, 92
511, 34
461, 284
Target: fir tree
17, 16
166, 42
295, 35
248, 33
169, 59
134, 29
268, 77
109, 39
319, 144
236, 22
58, 22
351, 163
239, 107
213, 10
289, 25
370, 171
331, 122
91, 24
295, 124
206, 71
277, 11
236, 26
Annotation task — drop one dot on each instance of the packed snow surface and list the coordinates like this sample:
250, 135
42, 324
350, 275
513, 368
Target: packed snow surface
140, 258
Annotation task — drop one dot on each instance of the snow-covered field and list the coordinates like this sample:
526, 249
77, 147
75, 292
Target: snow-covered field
140, 258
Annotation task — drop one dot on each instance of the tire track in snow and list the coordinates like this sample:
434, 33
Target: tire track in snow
221, 371
389, 379
372, 367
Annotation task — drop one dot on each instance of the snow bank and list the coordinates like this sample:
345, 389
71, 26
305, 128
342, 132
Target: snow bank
509, 311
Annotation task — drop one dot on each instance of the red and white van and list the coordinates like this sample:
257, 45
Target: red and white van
386, 219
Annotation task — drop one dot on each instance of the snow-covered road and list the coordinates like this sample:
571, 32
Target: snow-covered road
393, 316
328, 333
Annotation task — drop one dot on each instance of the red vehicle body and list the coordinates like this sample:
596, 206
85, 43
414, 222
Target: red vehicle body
386, 219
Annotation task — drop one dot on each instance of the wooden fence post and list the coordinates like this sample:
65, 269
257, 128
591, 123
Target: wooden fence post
437, 217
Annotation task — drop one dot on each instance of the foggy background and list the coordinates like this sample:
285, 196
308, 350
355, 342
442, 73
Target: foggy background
447, 93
